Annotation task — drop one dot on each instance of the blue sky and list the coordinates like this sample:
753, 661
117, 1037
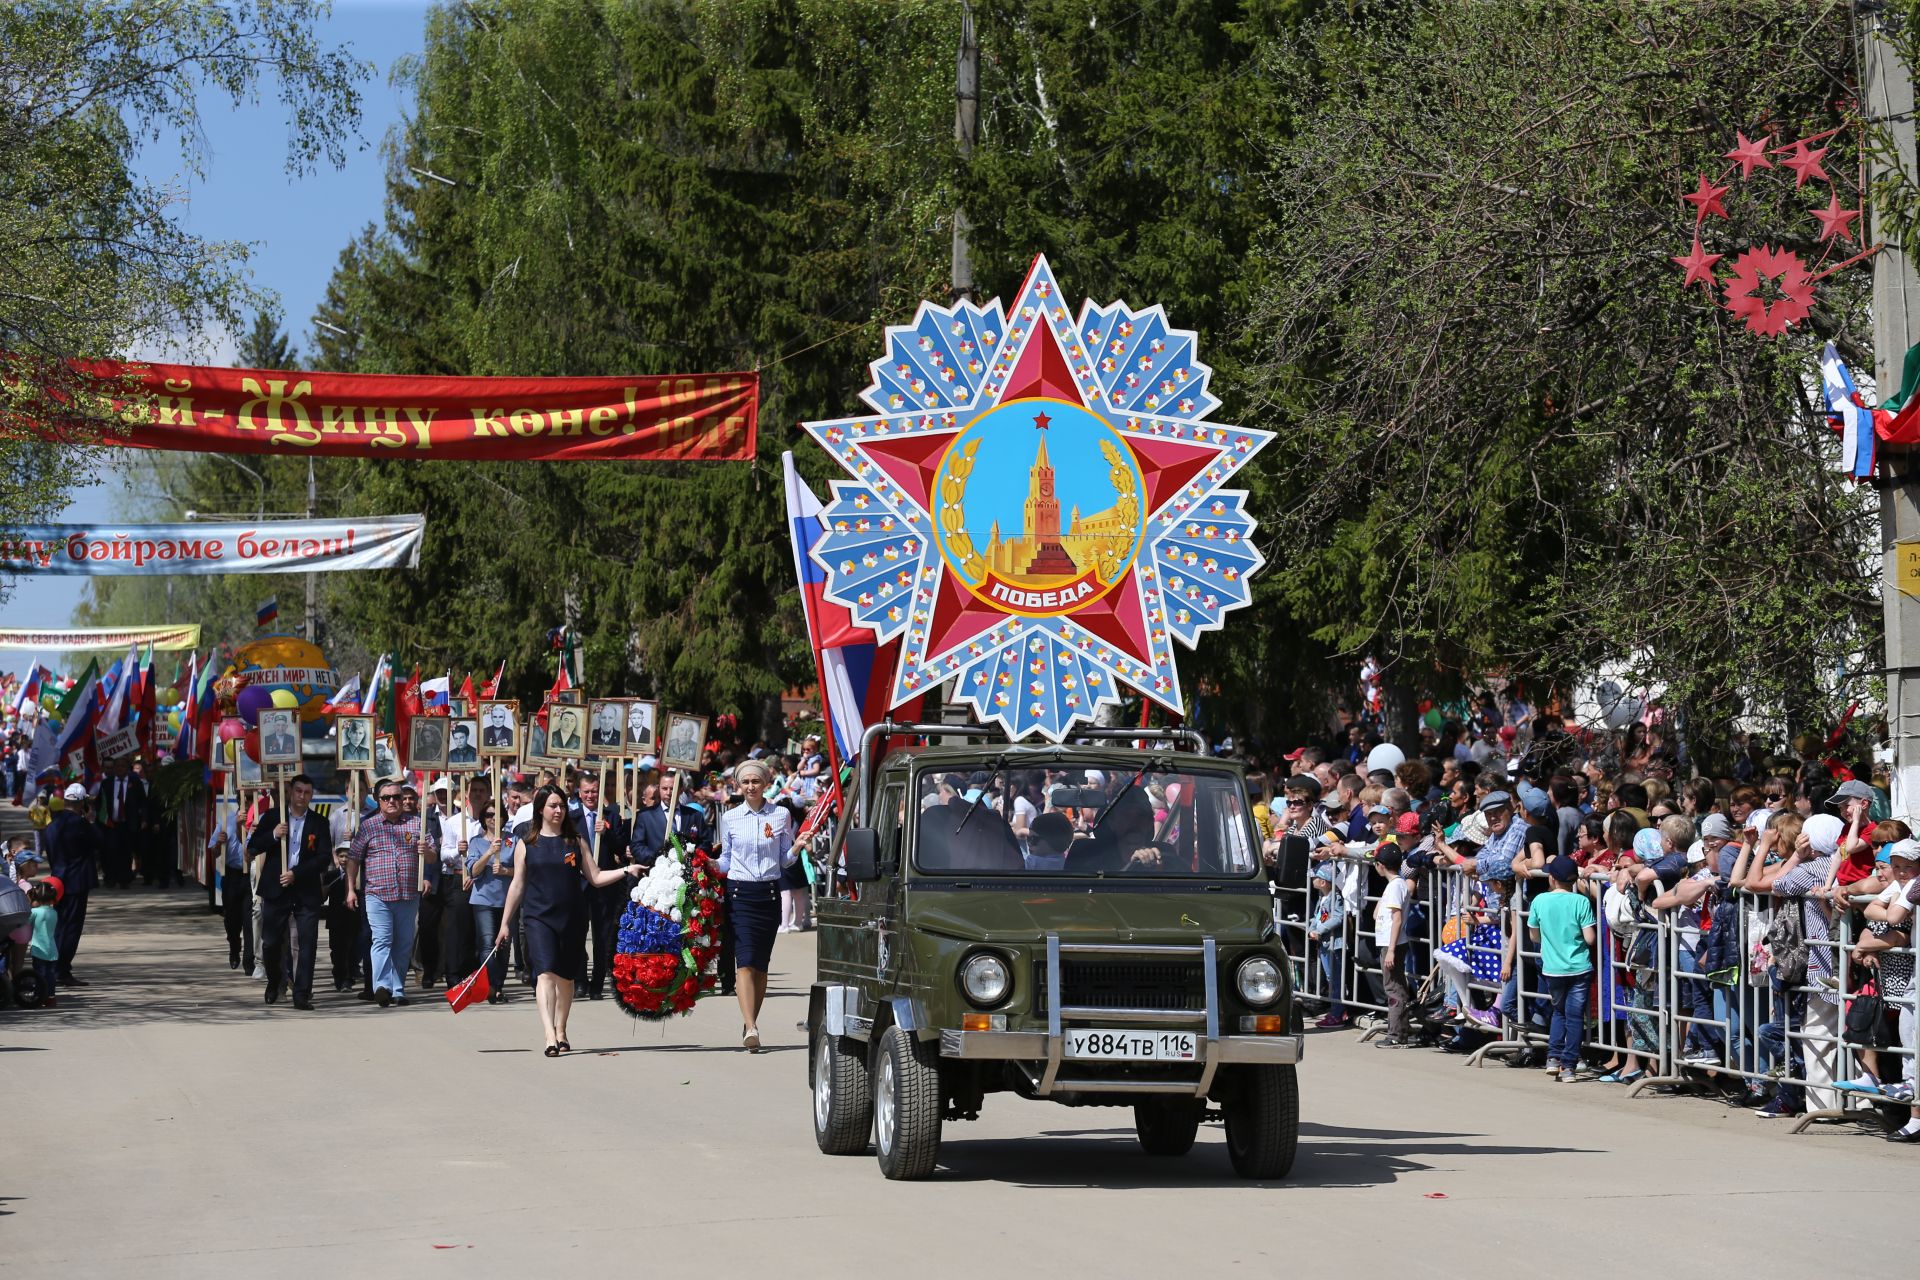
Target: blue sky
296, 228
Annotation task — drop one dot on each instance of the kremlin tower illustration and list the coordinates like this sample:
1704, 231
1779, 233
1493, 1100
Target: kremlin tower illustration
1042, 551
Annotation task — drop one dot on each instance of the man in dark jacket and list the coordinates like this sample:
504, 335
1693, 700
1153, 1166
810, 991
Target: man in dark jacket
73, 854
606, 831
295, 850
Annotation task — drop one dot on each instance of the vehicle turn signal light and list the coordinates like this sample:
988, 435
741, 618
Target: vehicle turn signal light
976, 1022
1264, 1024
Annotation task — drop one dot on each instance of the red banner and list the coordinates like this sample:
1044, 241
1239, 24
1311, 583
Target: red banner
673, 417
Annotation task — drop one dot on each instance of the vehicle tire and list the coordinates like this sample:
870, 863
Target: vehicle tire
1263, 1122
1166, 1126
906, 1106
842, 1094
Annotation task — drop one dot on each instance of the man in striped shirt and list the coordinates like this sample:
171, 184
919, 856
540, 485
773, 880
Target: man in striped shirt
384, 863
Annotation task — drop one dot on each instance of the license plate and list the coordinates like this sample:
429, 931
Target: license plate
1132, 1046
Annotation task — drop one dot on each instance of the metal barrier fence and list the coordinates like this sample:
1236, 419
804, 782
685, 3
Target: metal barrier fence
1651, 1003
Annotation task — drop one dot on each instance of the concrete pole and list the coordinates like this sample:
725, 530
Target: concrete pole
966, 131
313, 579
1887, 86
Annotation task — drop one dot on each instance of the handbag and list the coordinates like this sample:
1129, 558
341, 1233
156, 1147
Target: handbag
1867, 1020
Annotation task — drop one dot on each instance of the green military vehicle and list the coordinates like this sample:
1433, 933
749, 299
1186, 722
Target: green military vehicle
1087, 924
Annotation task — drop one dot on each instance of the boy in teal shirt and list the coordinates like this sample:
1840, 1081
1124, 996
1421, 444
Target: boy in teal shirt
44, 949
1561, 924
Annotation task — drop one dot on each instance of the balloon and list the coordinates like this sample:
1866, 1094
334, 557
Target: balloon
286, 665
1385, 756
1433, 719
173, 721
232, 727
251, 743
1616, 706
285, 699
167, 696
1173, 794
253, 700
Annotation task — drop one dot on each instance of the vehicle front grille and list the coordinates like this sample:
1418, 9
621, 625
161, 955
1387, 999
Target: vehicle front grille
1171, 985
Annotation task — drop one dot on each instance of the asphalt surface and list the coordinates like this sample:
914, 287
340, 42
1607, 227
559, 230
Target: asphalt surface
165, 1122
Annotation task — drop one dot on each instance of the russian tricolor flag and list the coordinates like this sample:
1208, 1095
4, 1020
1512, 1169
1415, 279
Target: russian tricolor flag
1848, 415
267, 612
854, 671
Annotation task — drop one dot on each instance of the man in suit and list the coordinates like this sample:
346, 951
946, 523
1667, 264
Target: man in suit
498, 732
606, 832
294, 850
280, 746
462, 751
566, 731
606, 727
72, 849
121, 808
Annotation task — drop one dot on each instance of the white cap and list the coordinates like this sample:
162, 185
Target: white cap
1697, 852
74, 792
1908, 849
441, 783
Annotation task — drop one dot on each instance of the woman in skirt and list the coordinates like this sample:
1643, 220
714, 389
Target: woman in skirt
756, 845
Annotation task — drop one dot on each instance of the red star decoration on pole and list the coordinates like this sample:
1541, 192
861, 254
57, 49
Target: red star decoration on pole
1835, 220
1749, 155
1706, 199
1805, 163
1699, 267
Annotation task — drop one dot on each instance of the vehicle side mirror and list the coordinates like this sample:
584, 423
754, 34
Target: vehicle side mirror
862, 852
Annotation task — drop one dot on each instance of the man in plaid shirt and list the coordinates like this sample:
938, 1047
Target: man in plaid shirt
384, 862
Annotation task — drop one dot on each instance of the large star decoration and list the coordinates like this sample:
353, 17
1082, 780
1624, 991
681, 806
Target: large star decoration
1805, 163
1749, 154
1699, 266
1706, 200
1835, 220
953, 364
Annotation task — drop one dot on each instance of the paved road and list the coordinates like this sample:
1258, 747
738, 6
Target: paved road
166, 1123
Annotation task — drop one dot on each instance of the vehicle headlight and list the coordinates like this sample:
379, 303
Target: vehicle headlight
985, 978
1259, 981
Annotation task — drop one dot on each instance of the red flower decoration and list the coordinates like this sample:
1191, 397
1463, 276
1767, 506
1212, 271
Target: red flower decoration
1795, 288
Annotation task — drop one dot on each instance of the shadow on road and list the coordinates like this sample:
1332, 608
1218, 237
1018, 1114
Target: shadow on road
1329, 1156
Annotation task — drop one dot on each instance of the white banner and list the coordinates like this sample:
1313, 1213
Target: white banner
279, 546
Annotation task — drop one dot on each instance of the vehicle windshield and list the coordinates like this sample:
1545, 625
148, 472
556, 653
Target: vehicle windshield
1084, 821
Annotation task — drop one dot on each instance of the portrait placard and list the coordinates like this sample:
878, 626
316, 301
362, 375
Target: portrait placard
463, 743
427, 742
567, 732
606, 727
279, 737
642, 719
499, 727
353, 742
686, 735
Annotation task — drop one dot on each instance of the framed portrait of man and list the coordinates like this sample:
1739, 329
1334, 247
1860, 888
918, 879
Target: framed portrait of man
575, 696
685, 737
499, 727
567, 732
427, 743
353, 742
279, 738
606, 726
463, 743
642, 717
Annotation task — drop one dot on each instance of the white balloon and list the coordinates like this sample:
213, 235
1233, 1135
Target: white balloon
1385, 756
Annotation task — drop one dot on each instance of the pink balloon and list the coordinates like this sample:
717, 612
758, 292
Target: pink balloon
232, 727
1173, 794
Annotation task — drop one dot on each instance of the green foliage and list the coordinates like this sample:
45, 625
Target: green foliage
1524, 445
96, 261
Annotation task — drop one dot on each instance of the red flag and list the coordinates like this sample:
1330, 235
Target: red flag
561, 683
406, 705
492, 687
473, 990
469, 697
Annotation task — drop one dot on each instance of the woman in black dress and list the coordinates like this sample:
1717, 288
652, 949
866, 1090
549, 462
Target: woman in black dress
551, 871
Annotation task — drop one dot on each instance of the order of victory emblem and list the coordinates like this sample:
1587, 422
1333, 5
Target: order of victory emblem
1036, 509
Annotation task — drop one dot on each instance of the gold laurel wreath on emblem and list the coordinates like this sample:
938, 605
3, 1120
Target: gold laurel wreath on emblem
953, 523
1109, 553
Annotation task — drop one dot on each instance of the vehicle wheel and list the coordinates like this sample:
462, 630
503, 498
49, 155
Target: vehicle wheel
1166, 1125
842, 1095
906, 1106
1263, 1122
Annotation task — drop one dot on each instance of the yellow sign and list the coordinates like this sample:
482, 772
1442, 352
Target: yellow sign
1906, 567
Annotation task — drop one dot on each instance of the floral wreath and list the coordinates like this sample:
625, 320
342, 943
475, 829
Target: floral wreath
669, 935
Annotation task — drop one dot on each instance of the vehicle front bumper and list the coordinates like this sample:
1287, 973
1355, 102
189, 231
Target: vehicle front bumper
1037, 1046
